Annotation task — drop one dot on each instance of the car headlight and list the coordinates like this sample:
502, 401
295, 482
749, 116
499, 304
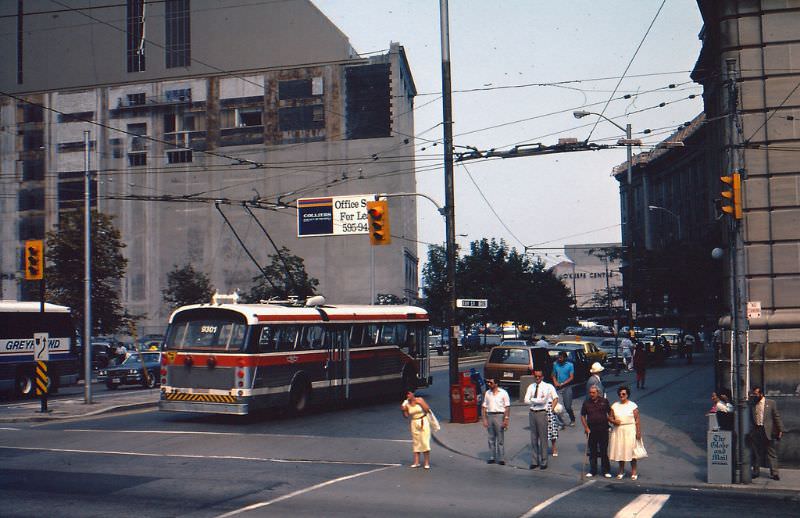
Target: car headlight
133, 371
102, 373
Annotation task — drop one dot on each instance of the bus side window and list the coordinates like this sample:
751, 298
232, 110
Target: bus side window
371, 333
285, 337
357, 335
312, 338
266, 340
389, 334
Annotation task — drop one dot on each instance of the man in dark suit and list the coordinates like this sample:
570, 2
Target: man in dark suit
767, 430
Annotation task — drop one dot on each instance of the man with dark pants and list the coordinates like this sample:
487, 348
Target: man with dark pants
563, 374
767, 430
594, 416
539, 395
496, 409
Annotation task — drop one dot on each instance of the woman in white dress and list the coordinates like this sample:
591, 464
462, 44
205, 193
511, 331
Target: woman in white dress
627, 430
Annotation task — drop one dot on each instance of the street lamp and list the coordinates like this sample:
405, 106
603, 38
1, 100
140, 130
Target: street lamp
628, 142
677, 218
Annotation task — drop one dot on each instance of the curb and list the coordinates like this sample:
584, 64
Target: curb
99, 411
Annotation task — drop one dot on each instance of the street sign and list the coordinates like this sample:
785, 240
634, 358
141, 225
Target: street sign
472, 303
753, 309
333, 215
40, 351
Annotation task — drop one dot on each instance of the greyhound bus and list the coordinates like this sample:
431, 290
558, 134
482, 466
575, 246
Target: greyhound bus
238, 358
18, 323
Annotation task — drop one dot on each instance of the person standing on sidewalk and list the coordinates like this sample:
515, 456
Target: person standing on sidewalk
767, 430
595, 417
627, 352
417, 410
627, 430
542, 342
563, 374
540, 395
496, 410
594, 380
640, 364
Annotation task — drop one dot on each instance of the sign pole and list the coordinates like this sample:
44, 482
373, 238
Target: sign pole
41, 356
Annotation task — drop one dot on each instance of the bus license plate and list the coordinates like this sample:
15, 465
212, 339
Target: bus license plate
508, 374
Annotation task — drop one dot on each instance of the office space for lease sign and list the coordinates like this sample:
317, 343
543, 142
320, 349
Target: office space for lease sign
333, 215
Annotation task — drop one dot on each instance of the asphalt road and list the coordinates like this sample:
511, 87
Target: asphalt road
333, 462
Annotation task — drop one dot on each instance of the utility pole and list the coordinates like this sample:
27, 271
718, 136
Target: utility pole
87, 264
449, 197
739, 325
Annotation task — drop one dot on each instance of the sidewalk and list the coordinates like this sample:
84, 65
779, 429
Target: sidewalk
674, 430
73, 406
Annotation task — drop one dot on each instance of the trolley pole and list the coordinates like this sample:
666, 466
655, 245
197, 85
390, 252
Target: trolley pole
449, 197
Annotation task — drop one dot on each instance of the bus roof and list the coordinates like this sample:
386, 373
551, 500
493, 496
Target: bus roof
275, 313
14, 306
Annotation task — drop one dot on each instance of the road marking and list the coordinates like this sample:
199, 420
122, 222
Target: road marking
643, 506
553, 499
10, 429
299, 492
211, 457
235, 434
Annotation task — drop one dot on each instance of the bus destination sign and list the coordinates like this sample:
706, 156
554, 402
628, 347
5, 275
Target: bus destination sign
472, 303
333, 215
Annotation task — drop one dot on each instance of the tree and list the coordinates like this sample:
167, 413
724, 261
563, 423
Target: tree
434, 283
65, 270
186, 286
389, 299
286, 277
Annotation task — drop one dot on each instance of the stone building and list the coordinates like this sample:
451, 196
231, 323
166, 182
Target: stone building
190, 106
591, 273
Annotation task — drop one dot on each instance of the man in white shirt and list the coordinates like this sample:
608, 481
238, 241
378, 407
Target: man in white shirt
538, 396
542, 342
496, 409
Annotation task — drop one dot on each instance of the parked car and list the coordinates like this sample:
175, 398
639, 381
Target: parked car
590, 349
579, 361
130, 371
103, 350
514, 343
508, 363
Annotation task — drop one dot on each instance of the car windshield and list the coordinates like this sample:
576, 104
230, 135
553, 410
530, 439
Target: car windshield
510, 356
134, 360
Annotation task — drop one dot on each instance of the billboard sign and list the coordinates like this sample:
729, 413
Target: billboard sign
333, 215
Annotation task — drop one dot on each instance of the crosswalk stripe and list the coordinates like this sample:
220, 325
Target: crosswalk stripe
643, 506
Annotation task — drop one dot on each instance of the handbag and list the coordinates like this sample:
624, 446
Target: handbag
638, 450
435, 426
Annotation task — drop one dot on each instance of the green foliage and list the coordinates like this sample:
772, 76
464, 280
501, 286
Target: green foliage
517, 289
286, 276
389, 299
65, 270
186, 286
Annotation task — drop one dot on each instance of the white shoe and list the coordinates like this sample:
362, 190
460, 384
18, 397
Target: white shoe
620, 476
607, 475
589, 475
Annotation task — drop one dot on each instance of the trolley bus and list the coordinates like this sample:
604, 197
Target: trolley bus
238, 358
18, 322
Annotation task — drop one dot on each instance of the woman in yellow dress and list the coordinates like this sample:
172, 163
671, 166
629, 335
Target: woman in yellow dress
416, 410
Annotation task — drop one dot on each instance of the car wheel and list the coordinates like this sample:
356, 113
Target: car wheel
150, 380
24, 384
299, 396
111, 386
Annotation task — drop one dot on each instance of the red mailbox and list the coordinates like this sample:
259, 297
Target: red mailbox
464, 400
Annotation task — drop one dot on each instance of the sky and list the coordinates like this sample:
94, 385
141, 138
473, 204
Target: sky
519, 69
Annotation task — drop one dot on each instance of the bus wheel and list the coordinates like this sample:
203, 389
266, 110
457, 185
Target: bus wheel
299, 396
24, 385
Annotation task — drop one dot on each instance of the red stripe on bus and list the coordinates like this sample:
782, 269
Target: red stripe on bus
349, 318
289, 358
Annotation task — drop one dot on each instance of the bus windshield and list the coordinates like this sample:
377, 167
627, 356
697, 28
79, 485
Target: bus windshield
206, 335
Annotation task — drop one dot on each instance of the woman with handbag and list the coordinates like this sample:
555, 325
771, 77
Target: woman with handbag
417, 411
626, 436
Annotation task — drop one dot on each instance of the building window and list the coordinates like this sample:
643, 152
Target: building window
301, 118
368, 105
70, 190
179, 156
181, 95
137, 99
32, 170
137, 144
178, 44
135, 35
240, 117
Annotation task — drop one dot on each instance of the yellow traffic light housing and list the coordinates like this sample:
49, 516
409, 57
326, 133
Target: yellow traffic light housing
378, 216
34, 260
732, 197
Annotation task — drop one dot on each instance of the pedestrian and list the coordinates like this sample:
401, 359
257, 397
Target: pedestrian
594, 380
627, 352
627, 430
542, 342
688, 346
540, 396
416, 410
562, 376
640, 364
496, 413
477, 380
766, 430
595, 417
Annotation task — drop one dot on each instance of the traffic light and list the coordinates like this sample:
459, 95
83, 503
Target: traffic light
378, 215
732, 195
34, 259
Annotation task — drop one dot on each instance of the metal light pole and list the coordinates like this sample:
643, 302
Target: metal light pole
628, 142
87, 289
677, 218
449, 196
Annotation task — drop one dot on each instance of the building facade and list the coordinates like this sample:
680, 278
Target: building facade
195, 109
750, 74
591, 272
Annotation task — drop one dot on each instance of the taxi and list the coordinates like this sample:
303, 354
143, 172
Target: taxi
590, 349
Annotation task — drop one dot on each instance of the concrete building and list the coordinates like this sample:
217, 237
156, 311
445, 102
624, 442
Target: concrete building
188, 103
591, 272
750, 73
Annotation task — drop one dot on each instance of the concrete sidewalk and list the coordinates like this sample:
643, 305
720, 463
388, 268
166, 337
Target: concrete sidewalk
672, 411
73, 406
